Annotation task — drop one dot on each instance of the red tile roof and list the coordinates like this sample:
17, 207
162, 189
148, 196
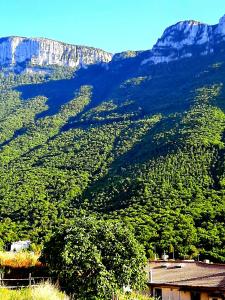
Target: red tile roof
193, 274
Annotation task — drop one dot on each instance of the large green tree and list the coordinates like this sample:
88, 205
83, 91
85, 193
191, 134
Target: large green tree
93, 258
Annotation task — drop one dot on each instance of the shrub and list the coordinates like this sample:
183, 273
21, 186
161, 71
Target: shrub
22, 259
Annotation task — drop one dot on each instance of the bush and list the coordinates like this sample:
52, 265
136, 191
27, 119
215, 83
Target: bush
22, 259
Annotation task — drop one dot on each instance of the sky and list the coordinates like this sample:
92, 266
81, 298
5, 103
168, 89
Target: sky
113, 25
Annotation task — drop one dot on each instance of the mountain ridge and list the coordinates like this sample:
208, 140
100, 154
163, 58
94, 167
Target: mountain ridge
24, 54
51, 39
181, 40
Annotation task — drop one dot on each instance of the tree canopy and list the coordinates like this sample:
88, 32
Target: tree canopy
94, 257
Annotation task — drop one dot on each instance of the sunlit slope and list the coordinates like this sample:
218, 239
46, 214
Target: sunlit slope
138, 142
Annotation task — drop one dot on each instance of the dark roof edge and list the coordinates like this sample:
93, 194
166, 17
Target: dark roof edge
187, 262
215, 288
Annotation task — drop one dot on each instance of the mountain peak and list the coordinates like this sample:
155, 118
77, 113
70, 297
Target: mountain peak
187, 23
187, 39
221, 26
222, 19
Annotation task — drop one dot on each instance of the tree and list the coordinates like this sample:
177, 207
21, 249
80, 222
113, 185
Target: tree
93, 258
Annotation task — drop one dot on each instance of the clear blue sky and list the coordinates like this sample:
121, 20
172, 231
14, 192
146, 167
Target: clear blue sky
113, 25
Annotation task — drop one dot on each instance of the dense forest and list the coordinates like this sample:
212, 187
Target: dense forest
138, 144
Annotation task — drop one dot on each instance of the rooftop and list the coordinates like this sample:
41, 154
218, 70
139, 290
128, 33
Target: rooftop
188, 273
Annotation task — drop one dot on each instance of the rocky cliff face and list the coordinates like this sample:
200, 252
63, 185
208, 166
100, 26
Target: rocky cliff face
182, 40
187, 39
29, 54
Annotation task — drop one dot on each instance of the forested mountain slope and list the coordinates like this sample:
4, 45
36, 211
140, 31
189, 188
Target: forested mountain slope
143, 143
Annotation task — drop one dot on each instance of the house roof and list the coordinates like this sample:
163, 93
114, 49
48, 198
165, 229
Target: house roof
188, 274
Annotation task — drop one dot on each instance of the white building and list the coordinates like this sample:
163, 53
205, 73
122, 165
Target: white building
20, 245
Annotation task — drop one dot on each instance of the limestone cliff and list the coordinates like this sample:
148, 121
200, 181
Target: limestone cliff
187, 39
27, 54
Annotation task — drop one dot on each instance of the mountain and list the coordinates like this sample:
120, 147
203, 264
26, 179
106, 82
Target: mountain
36, 54
138, 141
187, 39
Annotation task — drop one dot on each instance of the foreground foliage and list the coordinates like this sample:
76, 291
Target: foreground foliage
23, 259
43, 292
134, 296
93, 258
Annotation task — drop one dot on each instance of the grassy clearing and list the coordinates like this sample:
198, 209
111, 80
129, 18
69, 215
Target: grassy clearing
23, 259
44, 291
47, 291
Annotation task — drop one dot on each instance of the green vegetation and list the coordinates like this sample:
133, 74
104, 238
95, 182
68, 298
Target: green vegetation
24, 259
94, 258
43, 292
134, 296
49, 292
138, 146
